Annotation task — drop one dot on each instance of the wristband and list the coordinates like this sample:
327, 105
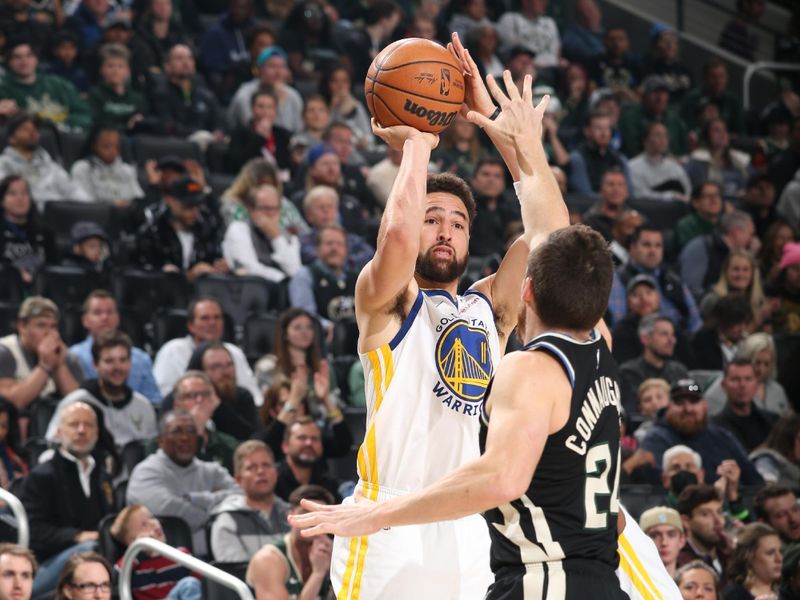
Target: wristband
334, 414
496, 113
45, 369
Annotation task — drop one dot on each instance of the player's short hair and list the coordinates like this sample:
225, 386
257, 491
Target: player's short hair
694, 495
573, 263
447, 183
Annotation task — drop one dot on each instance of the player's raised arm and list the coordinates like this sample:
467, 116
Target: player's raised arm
392, 268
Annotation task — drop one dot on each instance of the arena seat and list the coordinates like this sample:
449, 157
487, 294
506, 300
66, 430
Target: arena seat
145, 292
340, 365
8, 318
12, 291
72, 143
132, 454
148, 147
658, 212
240, 295
177, 532
345, 338
70, 326
110, 548
41, 411
62, 215
259, 335
638, 498
67, 286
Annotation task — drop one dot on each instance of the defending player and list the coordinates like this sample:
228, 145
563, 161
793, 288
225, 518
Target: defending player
548, 475
428, 355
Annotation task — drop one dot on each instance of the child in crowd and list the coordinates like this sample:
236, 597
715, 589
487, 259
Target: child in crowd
89, 247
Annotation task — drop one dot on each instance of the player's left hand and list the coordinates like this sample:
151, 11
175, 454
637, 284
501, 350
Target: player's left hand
345, 520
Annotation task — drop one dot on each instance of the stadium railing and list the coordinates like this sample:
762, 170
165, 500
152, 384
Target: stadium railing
23, 529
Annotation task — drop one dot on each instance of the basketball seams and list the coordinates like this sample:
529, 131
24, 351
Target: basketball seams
388, 108
418, 62
375, 83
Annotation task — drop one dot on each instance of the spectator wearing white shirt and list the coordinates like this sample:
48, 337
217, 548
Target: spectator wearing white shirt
533, 29
205, 324
654, 174
260, 246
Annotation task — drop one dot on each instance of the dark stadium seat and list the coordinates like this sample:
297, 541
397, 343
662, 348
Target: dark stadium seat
32, 449
110, 548
579, 203
131, 324
177, 532
239, 296
8, 318
259, 334
67, 286
147, 147
145, 292
663, 214
638, 498
62, 215
215, 591
345, 338
356, 417
12, 289
41, 411
70, 326
133, 453
72, 143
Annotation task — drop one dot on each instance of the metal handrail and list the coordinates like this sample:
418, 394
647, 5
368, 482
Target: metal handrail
758, 66
187, 560
23, 528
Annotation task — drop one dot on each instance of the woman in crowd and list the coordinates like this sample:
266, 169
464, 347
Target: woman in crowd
25, 245
154, 577
769, 255
779, 460
85, 575
740, 275
754, 568
697, 581
256, 172
337, 90
260, 246
655, 175
316, 118
716, 161
101, 171
786, 288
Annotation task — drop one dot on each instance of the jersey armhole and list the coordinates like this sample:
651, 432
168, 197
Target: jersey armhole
556, 353
475, 292
407, 322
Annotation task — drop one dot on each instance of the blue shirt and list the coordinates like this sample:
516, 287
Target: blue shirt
140, 379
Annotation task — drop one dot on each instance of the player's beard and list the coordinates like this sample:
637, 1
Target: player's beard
439, 270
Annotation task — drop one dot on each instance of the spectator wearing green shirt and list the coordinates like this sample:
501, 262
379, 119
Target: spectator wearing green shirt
715, 89
706, 205
49, 97
654, 107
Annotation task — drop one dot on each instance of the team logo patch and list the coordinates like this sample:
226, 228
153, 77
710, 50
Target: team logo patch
464, 361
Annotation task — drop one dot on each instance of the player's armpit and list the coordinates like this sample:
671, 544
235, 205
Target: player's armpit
529, 401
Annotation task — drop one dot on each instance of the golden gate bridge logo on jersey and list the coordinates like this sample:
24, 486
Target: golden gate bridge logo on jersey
464, 363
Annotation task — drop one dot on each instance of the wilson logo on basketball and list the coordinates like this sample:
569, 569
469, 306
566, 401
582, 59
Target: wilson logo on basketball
444, 83
434, 117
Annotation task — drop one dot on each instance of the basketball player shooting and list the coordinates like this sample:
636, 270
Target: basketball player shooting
428, 353
548, 476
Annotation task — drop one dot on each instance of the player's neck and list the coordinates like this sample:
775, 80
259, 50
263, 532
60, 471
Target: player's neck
426, 284
534, 328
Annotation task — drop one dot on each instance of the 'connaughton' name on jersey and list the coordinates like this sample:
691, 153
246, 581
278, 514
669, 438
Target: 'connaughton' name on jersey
605, 392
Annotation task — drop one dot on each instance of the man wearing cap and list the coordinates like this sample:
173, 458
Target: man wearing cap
183, 237
89, 247
272, 73
34, 362
47, 180
653, 107
685, 421
657, 335
49, 97
663, 525
184, 105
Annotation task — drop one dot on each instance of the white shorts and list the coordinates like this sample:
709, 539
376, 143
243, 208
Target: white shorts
443, 561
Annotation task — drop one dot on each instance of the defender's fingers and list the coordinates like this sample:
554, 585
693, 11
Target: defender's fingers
496, 92
527, 90
511, 88
478, 119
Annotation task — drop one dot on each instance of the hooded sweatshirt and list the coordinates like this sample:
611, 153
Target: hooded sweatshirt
238, 531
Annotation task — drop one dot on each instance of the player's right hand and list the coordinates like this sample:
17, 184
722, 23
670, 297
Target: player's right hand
476, 96
396, 135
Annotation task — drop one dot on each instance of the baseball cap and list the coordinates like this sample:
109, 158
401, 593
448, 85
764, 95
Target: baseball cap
187, 190
641, 278
268, 53
685, 387
317, 152
660, 515
518, 49
118, 21
171, 162
791, 255
654, 83
37, 306
83, 230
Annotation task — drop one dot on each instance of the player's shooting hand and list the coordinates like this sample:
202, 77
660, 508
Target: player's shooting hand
345, 520
476, 96
396, 135
519, 123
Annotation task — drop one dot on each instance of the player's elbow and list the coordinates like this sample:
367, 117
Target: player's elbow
507, 487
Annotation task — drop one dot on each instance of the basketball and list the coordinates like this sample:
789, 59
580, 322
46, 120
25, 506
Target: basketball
414, 82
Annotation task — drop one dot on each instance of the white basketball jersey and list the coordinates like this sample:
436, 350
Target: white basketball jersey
424, 392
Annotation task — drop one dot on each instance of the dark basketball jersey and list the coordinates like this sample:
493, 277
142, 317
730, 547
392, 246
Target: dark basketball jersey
570, 508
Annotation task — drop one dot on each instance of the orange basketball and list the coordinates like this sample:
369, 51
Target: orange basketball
414, 82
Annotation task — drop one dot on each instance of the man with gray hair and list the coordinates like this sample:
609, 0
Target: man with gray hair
701, 259
244, 523
174, 482
657, 335
34, 361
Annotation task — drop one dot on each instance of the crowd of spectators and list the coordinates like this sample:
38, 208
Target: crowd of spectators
155, 148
